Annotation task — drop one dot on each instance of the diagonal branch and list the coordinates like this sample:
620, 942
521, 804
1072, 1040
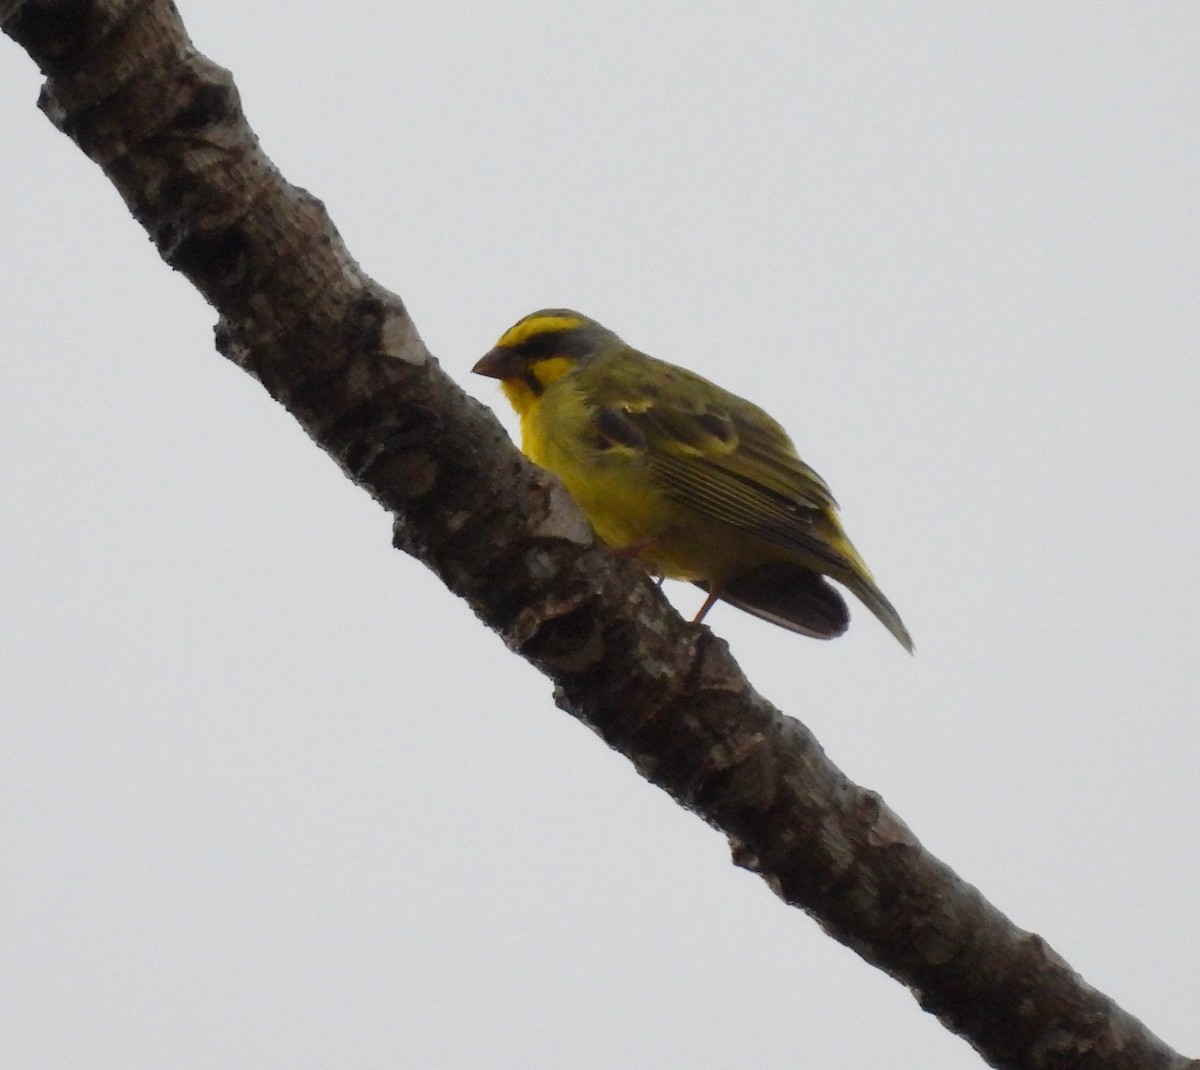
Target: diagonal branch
340, 352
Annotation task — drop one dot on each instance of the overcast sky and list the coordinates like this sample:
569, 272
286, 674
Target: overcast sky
270, 797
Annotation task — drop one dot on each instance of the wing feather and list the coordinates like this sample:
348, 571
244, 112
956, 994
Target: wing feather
719, 454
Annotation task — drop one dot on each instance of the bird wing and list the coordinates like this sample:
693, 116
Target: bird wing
716, 453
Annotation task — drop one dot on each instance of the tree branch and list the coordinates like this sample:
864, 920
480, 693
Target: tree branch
340, 352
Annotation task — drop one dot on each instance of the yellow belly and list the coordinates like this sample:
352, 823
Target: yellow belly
628, 509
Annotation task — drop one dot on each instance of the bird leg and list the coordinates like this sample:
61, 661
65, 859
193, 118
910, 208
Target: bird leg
634, 551
708, 604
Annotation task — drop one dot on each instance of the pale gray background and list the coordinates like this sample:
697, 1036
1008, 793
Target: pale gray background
270, 797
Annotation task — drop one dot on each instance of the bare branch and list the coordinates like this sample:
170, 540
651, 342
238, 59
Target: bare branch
340, 352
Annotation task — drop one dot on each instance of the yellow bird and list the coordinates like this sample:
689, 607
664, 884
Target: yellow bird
693, 481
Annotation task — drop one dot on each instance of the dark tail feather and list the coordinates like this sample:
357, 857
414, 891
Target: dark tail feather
791, 596
873, 598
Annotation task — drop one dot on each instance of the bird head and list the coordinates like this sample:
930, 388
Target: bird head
541, 348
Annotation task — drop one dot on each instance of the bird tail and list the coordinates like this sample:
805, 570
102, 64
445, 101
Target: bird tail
790, 595
857, 579
864, 589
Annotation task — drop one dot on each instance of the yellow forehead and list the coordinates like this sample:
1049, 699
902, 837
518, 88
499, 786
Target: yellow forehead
534, 325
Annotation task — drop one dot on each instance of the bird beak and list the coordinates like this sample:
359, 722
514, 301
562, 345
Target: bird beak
498, 364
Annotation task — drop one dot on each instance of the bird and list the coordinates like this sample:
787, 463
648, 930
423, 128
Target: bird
688, 479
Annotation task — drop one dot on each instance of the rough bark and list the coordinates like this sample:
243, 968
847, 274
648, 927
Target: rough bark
340, 352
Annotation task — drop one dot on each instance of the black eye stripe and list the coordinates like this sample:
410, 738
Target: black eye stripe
548, 344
